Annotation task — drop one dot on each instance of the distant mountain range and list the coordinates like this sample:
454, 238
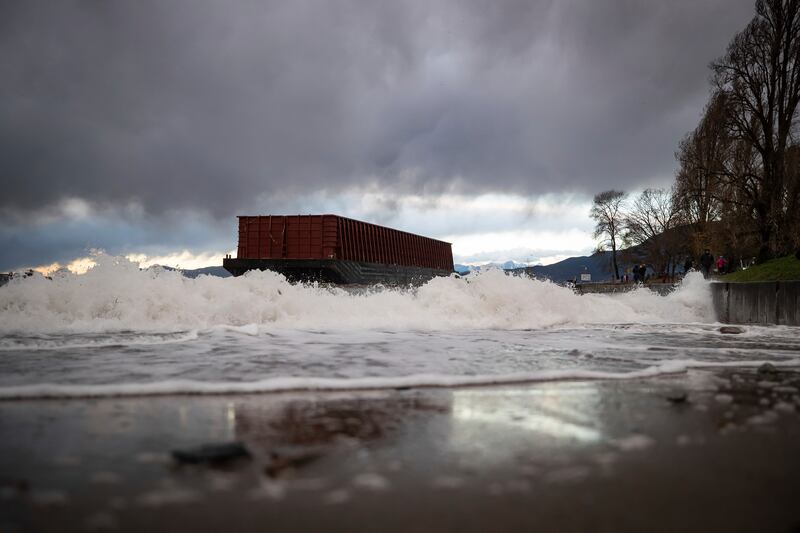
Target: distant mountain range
598, 265
217, 271
508, 265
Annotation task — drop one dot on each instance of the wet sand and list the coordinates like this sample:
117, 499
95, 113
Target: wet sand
704, 451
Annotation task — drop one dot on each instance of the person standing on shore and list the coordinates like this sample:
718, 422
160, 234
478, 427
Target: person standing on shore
721, 265
706, 262
641, 270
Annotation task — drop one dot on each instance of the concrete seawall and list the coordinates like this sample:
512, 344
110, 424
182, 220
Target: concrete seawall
762, 302
610, 288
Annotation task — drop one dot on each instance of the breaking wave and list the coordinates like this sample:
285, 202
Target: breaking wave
116, 296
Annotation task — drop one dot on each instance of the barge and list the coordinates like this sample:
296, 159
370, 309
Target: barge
336, 249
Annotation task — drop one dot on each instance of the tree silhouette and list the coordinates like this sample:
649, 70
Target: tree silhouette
607, 213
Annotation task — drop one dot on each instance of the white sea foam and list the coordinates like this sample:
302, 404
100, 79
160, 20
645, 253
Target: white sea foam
116, 296
287, 384
120, 331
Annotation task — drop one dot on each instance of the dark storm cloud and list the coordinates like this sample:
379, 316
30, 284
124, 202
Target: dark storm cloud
206, 105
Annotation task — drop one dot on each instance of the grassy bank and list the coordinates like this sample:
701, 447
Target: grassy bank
783, 268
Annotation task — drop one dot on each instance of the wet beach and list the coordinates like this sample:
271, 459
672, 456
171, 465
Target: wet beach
699, 451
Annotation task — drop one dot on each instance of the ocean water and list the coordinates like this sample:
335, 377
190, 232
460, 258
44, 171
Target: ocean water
117, 330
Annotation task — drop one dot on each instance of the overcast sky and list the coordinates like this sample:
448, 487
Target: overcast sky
145, 127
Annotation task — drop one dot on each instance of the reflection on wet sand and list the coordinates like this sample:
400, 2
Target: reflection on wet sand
318, 420
475, 426
560, 441
545, 412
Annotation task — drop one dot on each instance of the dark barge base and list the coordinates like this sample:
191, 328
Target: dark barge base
336, 271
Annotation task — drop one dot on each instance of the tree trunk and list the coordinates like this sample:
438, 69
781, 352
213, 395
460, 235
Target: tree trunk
614, 259
764, 236
765, 215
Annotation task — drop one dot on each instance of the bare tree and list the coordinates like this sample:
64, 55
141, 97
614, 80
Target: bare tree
651, 222
760, 78
651, 214
702, 155
715, 184
607, 213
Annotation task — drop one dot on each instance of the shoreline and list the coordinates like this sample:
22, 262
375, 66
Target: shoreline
707, 449
287, 385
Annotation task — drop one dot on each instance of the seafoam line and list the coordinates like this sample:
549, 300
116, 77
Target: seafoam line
291, 384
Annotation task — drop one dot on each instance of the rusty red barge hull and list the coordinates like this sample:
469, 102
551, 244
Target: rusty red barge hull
335, 249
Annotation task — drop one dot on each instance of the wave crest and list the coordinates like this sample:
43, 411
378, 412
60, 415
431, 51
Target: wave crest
116, 295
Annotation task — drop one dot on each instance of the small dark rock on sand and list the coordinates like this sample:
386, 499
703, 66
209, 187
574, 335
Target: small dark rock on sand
212, 453
767, 369
677, 397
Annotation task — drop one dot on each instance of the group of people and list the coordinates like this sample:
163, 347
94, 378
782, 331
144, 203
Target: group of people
639, 273
636, 274
708, 264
